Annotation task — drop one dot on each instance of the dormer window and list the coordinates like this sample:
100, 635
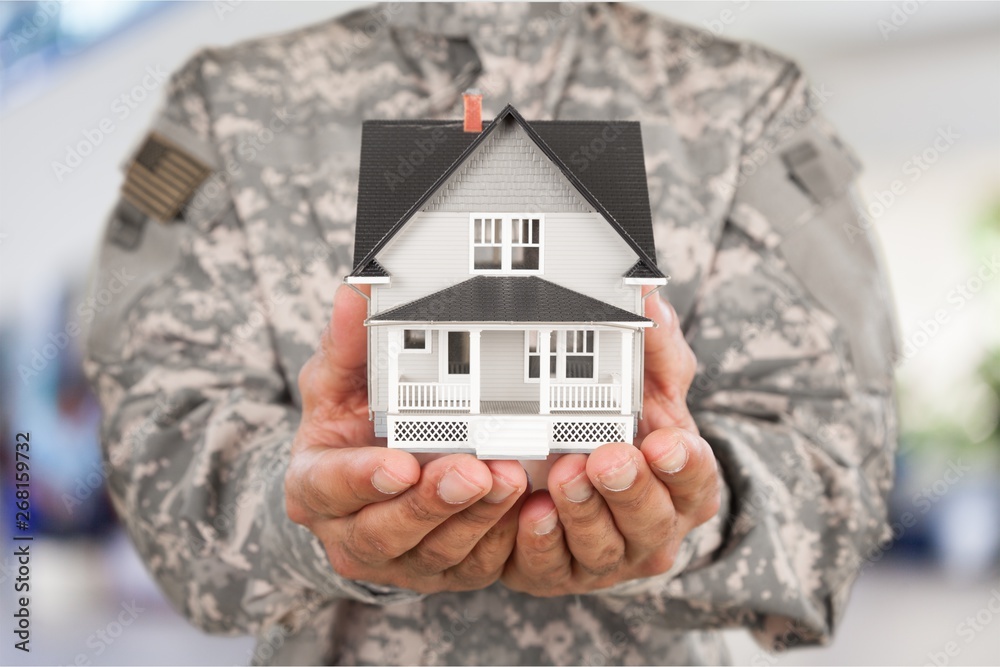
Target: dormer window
506, 243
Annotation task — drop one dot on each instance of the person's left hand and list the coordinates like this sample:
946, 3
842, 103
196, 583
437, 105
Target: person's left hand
621, 512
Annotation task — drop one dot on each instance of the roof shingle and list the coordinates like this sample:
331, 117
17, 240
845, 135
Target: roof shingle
402, 161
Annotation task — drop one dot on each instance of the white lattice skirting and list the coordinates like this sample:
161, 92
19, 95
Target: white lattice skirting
588, 432
431, 431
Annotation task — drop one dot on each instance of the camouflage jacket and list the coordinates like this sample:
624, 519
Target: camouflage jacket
781, 296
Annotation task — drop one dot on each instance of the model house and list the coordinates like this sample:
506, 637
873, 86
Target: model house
507, 266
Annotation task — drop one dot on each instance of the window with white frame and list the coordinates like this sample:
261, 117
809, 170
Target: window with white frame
510, 243
534, 356
525, 244
416, 340
580, 355
487, 243
572, 355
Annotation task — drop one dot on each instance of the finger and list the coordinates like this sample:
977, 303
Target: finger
339, 368
541, 563
333, 483
485, 563
639, 503
449, 544
670, 363
386, 530
686, 464
597, 545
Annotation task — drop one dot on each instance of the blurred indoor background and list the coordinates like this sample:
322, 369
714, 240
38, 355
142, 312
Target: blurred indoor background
902, 75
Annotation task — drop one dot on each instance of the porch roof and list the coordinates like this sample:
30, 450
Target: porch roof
508, 299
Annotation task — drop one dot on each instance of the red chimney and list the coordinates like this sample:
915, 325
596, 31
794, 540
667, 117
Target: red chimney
473, 110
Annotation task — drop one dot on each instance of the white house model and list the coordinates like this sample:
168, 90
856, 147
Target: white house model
506, 266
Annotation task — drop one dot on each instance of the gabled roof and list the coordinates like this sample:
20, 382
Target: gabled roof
638, 270
403, 163
507, 299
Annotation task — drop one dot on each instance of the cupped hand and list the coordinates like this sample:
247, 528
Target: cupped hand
381, 518
622, 512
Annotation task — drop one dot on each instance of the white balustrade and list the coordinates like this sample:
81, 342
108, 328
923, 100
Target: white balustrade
585, 396
433, 396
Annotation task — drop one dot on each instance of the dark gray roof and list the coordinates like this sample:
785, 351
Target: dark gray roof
403, 163
507, 299
640, 270
373, 270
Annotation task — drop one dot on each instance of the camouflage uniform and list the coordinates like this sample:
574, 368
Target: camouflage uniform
781, 297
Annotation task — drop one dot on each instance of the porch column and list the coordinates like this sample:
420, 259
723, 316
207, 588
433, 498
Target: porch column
628, 335
475, 374
543, 371
395, 344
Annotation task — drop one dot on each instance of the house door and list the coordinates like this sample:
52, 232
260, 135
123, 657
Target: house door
455, 356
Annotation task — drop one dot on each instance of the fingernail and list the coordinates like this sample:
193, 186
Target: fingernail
386, 483
454, 488
620, 478
578, 489
500, 492
547, 523
674, 460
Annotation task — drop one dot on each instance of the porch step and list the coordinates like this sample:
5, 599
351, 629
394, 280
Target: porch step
510, 437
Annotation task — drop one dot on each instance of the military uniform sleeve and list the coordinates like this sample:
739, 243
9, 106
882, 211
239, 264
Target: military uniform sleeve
795, 338
198, 416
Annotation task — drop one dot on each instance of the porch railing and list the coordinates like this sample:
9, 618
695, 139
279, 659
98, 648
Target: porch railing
585, 396
434, 396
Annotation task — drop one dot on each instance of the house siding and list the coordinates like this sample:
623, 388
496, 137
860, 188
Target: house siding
508, 174
581, 252
420, 366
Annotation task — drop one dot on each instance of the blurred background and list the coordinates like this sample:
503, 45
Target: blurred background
901, 74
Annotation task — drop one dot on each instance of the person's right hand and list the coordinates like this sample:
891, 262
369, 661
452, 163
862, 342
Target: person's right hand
381, 518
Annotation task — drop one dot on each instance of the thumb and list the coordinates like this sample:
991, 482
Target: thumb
670, 362
339, 366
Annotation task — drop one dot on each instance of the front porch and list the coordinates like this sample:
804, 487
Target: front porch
501, 408
509, 370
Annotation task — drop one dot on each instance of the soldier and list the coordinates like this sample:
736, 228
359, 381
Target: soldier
236, 426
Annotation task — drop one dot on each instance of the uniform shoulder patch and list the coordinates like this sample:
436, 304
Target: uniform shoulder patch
162, 178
